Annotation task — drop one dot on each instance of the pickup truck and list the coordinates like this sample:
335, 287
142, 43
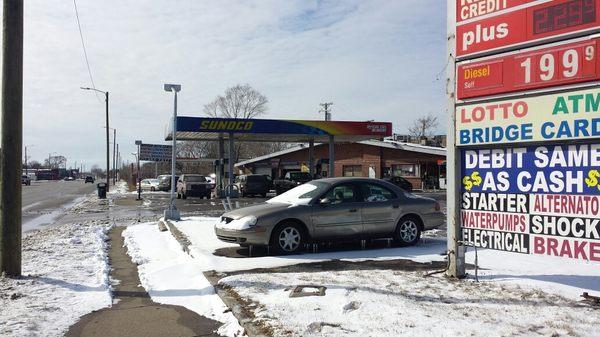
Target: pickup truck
291, 180
193, 185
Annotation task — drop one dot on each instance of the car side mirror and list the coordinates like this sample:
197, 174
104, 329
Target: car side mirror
324, 201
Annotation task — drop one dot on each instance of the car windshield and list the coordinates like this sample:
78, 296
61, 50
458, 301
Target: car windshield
256, 179
153, 181
299, 175
302, 194
195, 179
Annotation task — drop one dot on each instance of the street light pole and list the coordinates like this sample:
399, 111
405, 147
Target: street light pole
107, 136
173, 213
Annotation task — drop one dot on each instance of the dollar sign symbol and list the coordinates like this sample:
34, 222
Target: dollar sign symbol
593, 178
467, 183
476, 178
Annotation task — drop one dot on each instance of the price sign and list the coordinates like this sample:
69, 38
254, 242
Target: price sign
472, 9
535, 68
533, 24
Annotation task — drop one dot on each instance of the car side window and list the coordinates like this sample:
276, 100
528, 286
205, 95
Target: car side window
341, 194
376, 193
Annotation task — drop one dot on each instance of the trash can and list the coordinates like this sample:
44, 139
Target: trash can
101, 190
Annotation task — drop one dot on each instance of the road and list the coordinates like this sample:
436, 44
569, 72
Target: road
45, 201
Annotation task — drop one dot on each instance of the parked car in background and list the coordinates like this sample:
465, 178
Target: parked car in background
25, 180
333, 209
164, 182
149, 185
400, 182
69, 179
193, 185
291, 180
89, 179
253, 184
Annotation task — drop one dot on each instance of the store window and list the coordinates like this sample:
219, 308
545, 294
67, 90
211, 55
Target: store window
352, 170
405, 170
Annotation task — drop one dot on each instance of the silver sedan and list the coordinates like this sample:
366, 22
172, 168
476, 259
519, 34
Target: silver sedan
329, 210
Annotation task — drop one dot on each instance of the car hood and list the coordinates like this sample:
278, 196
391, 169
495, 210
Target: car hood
420, 197
257, 210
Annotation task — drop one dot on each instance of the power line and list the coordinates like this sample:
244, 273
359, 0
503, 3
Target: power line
87, 62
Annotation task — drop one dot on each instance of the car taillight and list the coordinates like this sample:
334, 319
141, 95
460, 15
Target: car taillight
437, 206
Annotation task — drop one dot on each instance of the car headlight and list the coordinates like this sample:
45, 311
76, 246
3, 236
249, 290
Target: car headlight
246, 222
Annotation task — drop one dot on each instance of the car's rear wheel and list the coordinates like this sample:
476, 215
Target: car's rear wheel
408, 231
288, 238
152, 189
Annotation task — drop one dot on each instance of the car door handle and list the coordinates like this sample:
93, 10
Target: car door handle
353, 210
395, 206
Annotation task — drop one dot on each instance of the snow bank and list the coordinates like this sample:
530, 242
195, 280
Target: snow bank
120, 187
170, 276
394, 303
65, 276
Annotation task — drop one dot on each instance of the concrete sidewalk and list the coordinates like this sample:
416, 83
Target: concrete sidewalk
135, 314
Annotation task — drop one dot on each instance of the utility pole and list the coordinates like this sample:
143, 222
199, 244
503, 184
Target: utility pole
26, 171
325, 109
114, 156
12, 138
117, 163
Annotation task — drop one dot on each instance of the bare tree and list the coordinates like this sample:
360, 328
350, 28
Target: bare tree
424, 127
55, 161
34, 164
240, 101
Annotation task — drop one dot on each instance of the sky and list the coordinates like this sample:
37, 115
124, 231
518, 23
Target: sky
374, 59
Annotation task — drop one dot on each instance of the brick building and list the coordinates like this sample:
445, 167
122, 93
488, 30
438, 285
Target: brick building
423, 166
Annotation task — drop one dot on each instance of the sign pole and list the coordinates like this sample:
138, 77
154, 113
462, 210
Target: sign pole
456, 250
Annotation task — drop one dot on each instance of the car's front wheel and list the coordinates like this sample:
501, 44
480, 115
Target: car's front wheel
408, 231
288, 239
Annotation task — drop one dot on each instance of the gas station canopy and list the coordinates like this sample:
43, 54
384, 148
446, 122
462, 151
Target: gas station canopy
271, 130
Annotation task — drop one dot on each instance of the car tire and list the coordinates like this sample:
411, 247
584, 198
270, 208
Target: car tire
264, 195
152, 189
183, 196
288, 238
408, 231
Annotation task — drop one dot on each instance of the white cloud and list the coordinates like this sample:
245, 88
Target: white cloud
373, 59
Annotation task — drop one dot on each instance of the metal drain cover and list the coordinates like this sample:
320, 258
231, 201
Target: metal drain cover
307, 290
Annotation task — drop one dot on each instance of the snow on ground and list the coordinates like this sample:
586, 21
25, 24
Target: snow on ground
120, 187
524, 294
566, 277
170, 276
396, 303
65, 276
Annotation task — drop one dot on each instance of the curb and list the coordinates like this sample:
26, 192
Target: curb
237, 306
244, 317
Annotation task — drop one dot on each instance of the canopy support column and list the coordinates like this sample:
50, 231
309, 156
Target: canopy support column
331, 172
220, 166
231, 162
311, 157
